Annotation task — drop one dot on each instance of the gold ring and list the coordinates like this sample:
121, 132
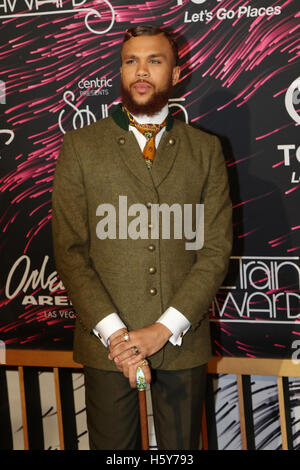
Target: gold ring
136, 351
125, 336
144, 362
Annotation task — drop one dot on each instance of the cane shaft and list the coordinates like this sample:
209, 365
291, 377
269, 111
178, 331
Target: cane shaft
143, 419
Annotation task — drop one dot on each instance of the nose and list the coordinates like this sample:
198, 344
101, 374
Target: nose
142, 71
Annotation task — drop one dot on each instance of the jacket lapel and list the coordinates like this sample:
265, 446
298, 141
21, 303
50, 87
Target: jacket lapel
132, 157
131, 154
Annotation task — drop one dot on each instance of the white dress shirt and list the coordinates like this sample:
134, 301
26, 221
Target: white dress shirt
175, 321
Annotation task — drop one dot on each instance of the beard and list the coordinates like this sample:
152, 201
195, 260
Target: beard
155, 103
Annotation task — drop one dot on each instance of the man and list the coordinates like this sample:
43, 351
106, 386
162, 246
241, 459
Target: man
141, 297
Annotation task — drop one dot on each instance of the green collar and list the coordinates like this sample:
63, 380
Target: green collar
121, 119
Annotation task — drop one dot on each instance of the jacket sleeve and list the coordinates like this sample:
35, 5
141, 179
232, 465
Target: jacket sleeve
70, 230
201, 284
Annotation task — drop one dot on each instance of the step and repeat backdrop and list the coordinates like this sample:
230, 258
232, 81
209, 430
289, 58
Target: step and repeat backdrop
59, 70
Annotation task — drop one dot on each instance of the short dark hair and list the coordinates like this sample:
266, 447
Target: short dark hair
151, 30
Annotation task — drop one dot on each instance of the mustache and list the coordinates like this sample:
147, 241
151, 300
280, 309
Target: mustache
140, 81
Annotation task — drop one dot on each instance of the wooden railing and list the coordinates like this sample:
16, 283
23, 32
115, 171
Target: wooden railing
243, 368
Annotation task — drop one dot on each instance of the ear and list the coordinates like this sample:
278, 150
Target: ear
175, 74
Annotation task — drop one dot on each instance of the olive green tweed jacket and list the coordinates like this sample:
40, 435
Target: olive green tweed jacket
96, 165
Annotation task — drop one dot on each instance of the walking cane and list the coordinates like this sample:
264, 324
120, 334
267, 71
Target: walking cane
141, 386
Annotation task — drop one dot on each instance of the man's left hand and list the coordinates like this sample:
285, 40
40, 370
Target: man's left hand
141, 344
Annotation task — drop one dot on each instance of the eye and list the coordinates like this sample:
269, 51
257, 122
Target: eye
129, 61
155, 61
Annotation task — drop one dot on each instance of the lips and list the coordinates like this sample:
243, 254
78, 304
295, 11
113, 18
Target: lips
142, 87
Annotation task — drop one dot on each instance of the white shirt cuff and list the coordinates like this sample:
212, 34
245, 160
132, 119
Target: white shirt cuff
106, 327
177, 323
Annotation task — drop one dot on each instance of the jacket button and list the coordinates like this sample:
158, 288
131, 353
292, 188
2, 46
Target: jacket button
121, 140
171, 141
152, 270
151, 247
153, 291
